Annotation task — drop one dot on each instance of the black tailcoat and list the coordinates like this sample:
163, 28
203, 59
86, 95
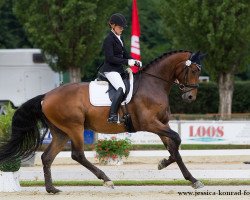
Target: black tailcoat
115, 54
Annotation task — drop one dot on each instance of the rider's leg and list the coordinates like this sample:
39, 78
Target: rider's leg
116, 80
113, 114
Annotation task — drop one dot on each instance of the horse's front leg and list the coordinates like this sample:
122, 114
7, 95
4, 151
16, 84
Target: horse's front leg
171, 140
175, 156
165, 162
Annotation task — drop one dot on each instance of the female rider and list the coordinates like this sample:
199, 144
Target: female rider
116, 57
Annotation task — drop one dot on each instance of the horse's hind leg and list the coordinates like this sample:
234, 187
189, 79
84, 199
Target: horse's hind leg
58, 142
165, 162
79, 156
175, 156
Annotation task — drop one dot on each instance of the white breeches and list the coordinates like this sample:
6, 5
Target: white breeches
115, 79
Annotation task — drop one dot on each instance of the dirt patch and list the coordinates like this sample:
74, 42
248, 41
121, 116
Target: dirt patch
133, 193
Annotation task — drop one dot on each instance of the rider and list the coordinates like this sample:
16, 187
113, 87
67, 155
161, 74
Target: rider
115, 57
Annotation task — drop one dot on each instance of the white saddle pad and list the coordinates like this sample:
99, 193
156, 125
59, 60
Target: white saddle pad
98, 92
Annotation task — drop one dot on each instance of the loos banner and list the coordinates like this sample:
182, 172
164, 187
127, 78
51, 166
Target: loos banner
215, 132
196, 132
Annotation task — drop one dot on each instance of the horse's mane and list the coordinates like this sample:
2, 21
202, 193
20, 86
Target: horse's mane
166, 54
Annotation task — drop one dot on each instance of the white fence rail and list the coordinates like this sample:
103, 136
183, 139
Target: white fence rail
196, 132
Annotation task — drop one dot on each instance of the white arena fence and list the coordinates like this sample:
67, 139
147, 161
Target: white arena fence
191, 132
195, 132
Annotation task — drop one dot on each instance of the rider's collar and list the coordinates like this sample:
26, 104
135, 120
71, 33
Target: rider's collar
115, 33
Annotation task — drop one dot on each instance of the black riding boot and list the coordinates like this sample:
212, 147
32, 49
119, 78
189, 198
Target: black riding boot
113, 116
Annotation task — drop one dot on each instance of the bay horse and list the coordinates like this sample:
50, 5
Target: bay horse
67, 111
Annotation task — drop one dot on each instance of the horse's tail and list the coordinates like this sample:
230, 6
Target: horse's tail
25, 131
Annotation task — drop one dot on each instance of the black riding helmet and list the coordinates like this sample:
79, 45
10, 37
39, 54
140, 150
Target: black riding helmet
118, 19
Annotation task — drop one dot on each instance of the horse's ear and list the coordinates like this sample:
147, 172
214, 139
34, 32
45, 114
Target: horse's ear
201, 56
195, 56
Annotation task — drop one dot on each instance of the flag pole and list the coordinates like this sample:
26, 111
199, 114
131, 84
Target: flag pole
135, 36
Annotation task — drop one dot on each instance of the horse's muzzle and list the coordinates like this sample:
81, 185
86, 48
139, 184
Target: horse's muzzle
188, 96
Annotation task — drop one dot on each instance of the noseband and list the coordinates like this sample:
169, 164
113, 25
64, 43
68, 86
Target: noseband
183, 87
186, 87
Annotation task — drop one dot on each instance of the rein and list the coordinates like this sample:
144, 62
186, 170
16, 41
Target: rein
181, 86
172, 82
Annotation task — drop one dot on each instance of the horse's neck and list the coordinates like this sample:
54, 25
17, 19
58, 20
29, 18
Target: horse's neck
164, 70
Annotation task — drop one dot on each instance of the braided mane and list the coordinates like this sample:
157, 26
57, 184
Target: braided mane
166, 54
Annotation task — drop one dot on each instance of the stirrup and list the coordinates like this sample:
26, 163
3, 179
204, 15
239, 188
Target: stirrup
113, 119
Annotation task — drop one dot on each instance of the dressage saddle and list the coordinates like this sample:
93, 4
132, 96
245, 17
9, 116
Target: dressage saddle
111, 90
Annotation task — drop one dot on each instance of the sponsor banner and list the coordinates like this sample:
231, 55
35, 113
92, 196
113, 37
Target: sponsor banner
140, 137
89, 137
47, 138
215, 132
191, 132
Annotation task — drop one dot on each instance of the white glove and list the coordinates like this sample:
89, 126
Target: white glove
138, 63
132, 62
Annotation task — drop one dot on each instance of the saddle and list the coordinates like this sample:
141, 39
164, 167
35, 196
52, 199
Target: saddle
111, 91
101, 92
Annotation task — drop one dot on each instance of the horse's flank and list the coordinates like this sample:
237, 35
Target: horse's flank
70, 104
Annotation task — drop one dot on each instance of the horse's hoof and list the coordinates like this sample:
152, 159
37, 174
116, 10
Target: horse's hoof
53, 190
198, 185
161, 164
109, 184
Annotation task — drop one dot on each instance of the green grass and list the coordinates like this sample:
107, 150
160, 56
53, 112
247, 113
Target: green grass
136, 183
212, 146
162, 147
191, 147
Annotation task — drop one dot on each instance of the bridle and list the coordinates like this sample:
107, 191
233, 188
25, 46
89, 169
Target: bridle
186, 84
186, 87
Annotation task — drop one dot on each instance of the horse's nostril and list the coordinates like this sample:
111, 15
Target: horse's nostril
190, 97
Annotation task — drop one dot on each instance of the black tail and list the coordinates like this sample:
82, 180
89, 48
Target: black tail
25, 135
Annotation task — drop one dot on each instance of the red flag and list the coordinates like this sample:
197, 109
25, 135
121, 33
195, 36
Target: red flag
135, 43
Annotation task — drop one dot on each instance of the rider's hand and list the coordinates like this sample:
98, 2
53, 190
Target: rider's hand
132, 62
138, 63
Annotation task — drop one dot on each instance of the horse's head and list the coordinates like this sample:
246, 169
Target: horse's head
187, 74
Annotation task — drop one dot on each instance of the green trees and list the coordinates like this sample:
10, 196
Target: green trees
153, 41
68, 32
72, 31
12, 33
5, 134
219, 28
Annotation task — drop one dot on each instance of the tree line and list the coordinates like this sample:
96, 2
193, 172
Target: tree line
70, 34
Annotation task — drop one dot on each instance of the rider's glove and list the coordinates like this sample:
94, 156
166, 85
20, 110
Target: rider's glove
132, 62
138, 63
